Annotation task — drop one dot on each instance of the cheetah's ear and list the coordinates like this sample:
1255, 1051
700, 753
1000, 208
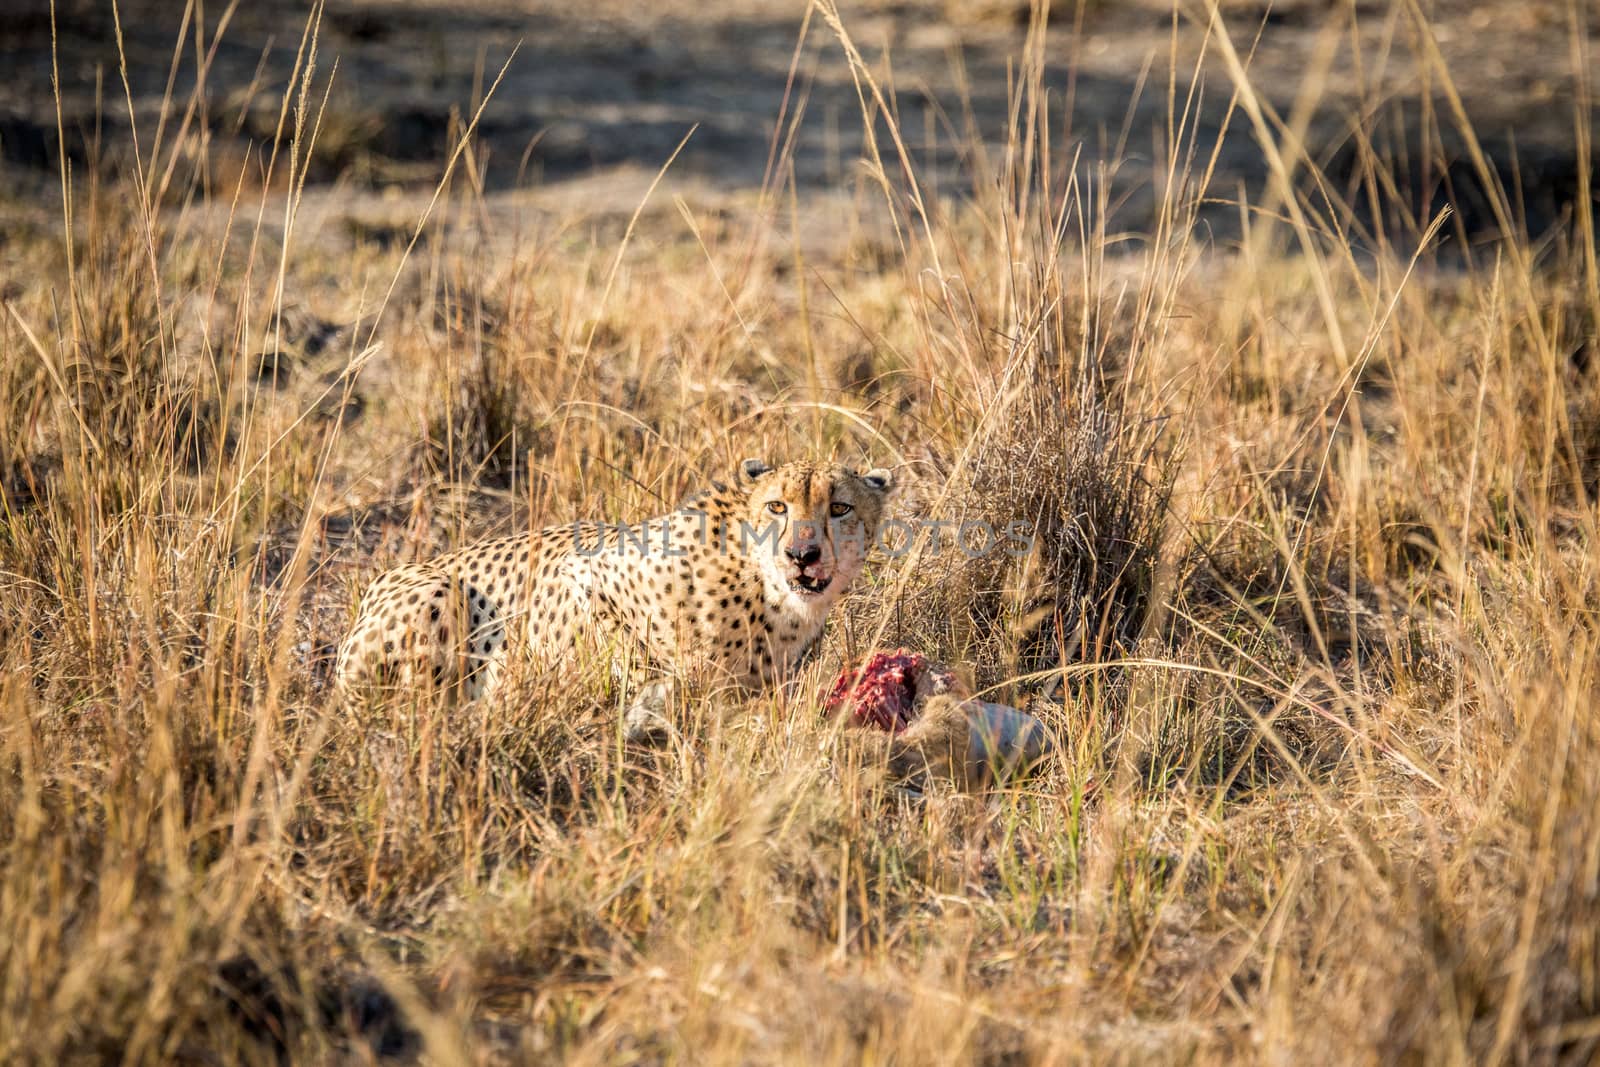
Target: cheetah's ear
751, 469
878, 478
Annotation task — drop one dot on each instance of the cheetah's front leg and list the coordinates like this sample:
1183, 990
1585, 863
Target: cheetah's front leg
648, 718
652, 716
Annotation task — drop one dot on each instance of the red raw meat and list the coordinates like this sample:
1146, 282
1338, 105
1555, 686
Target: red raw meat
886, 691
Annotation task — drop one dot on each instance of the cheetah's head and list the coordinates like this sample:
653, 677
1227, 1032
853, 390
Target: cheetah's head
810, 527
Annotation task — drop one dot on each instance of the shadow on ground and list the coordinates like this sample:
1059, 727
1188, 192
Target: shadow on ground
617, 84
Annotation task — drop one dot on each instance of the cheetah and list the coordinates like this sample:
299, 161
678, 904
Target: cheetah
732, 588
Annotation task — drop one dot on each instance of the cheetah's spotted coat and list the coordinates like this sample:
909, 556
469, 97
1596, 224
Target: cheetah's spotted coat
732, 587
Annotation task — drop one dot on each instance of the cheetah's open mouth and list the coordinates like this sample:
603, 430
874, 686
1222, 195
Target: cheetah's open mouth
805, 585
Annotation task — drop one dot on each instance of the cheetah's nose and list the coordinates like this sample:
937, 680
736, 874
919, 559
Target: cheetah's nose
804, 555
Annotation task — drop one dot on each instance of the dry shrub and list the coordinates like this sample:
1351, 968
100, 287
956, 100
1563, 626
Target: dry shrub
482, 426
1071, 494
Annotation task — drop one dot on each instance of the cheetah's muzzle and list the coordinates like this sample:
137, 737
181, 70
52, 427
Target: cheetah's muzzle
805, 585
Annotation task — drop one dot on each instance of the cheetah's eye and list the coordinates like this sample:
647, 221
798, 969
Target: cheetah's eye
840, 509
777, 507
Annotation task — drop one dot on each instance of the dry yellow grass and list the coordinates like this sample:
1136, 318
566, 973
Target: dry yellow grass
1312, 615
